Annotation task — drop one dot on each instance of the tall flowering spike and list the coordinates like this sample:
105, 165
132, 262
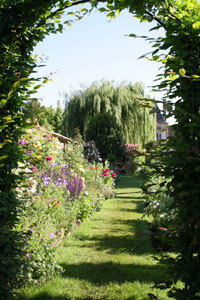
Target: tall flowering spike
80, 186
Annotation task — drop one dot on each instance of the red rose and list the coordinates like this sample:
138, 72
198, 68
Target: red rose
48, 158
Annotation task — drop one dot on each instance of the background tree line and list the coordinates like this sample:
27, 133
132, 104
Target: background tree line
109, 114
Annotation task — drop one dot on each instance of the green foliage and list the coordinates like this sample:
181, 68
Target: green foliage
23, 24
46, 117
58, 120
108, 137
125, 103
178, 160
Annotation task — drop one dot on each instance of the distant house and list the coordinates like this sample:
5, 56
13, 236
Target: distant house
163, 130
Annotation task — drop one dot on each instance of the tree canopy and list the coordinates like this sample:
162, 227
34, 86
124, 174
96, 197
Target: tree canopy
124, 102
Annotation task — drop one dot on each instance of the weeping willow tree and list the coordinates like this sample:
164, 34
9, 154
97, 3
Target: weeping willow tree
124, 102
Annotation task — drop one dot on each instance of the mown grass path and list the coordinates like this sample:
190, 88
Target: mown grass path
109, 257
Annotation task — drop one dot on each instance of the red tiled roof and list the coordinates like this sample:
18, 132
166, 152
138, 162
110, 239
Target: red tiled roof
130, 147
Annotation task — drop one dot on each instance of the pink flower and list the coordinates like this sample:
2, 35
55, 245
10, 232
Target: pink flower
23, 142
114, 175
48, 158
106, 174
107, 170
29, 152
34, 169
28, 255
54, 244
90, 168
96, 168
52, 235
41, 239
31, 230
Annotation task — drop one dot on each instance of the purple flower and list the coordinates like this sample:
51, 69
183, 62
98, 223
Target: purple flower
28, 255
41, 239
31, 230
52, 235
54, 244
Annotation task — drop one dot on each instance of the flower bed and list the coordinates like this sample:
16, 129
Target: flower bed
61, 188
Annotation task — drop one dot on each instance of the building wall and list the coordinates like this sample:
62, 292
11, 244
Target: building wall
162, 131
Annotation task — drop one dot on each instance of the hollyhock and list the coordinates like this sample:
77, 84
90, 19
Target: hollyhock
106, 174
114, 175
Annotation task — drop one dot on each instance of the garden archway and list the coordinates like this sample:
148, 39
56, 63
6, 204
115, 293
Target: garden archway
24, 23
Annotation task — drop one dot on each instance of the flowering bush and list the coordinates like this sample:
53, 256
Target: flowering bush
61, 190
91, 152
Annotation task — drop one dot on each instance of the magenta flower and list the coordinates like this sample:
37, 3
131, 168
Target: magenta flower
107, 170
41, 239
23, 142
54, 244
48, 158
28, 255
52, 235
106, 174
114, 175
31, 230
34, 169
29, 152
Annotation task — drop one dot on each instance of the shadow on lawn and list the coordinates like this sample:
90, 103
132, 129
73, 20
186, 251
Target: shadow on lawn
108, 272
46, 296
127, 181
116, 244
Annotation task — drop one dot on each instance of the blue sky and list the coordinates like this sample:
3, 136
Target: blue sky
95, 49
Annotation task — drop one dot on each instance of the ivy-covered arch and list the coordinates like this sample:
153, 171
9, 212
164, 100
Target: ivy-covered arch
24, 23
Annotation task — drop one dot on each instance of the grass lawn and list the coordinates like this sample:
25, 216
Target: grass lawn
109, 257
